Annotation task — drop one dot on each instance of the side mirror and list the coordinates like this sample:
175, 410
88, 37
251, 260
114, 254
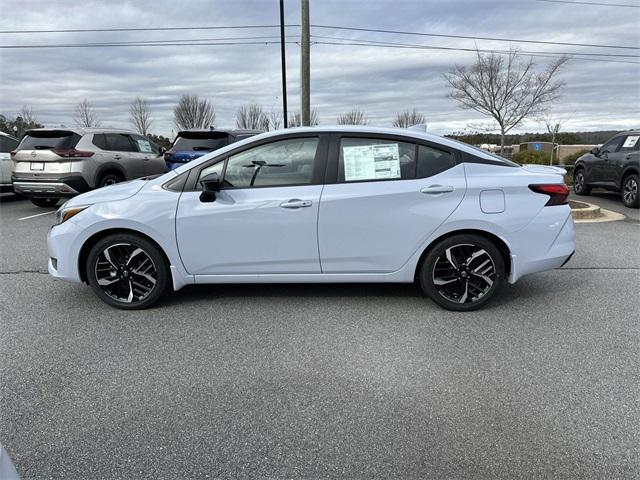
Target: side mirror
595, 151
162, 150
210, 185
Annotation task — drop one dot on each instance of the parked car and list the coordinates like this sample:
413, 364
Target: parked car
341, 204
50, 164
7, 144
614, 166
192, 144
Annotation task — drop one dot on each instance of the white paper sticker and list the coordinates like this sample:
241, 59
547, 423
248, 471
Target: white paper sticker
144, 146
631, 141
371, 162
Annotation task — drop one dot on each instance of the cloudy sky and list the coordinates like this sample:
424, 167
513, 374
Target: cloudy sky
380, 81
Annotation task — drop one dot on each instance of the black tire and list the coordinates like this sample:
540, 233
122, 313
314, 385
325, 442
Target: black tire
45, 202
110, 178
630, 193
580, 182
475, 262
111, 274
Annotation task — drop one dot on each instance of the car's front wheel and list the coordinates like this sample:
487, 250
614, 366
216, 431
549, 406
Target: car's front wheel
630, 195
580, 183
127, 271
462, 272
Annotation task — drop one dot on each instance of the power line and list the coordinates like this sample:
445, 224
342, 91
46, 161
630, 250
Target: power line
139, 44
143, 29
496, 39
500, 52
592, 3
525, 52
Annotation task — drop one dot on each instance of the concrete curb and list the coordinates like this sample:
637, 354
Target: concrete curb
590, 213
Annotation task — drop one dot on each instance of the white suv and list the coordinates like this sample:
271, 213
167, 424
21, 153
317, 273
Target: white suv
7, 144
50, 164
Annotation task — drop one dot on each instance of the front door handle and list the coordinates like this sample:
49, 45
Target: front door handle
436, 189
296, 203
117, 157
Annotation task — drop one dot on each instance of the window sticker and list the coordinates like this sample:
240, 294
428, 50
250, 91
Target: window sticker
144, 146
371, 162
631, 141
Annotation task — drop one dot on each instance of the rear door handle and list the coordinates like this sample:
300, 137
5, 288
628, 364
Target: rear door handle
296, 203
436, 189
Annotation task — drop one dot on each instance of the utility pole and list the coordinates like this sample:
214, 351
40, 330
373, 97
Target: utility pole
283, 62
305, 101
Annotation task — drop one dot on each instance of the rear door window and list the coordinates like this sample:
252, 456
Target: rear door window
145, 145
100, 141
7, 144
630, 143
432, 161
366, 159
120, 142
48, 140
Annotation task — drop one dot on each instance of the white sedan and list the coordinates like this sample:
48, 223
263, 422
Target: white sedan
330, 204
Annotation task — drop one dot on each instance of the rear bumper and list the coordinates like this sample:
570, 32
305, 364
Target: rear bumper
548, 242
50, 187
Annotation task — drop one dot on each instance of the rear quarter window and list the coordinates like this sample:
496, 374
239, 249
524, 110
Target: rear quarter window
432, 161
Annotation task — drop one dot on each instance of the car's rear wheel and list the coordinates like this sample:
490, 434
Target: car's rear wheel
127, 271
462, 272
579, 183
110, 178
45, 202
630, 195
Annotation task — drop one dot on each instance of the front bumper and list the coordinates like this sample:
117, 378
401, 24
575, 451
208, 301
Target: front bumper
64, 252
49, 187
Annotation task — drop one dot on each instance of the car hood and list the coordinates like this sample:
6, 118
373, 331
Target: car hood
111, 193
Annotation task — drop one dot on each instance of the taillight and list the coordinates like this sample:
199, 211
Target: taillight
72, 153
558, 193
12, 153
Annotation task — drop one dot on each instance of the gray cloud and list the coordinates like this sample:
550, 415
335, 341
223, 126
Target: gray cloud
380, 81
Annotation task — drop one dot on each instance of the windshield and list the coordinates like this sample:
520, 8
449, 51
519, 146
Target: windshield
48, 140
200, 142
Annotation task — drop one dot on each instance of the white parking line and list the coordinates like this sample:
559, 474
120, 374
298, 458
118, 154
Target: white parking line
36, 215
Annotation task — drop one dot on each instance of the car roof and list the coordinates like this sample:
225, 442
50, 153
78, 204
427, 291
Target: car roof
629, 132
234, 131
411, 133
7, 135
83, 130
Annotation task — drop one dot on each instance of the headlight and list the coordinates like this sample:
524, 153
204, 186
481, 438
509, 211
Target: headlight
64, 213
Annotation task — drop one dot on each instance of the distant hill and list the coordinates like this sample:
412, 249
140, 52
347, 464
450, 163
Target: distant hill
563, 138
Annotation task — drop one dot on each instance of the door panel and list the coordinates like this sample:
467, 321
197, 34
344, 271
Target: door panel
250, 231
377, 226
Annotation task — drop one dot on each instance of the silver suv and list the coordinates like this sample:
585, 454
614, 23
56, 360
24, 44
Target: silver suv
50, 164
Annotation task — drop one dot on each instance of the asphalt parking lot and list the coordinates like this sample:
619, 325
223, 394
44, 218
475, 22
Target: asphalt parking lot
354, 381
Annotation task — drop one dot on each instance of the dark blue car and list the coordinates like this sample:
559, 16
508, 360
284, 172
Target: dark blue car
191, 144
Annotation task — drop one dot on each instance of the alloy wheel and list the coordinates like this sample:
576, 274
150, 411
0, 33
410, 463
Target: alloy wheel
578, 182
630, 190
464, 273
125, 272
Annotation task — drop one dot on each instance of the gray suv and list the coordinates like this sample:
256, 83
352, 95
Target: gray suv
50, 164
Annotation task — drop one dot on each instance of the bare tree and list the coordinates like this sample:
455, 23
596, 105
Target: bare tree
252, 116
85, 115
409, 118
275, 120
296, 121
140, 115
508, 89
553, 128
193, 112
26, 112
352, 117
